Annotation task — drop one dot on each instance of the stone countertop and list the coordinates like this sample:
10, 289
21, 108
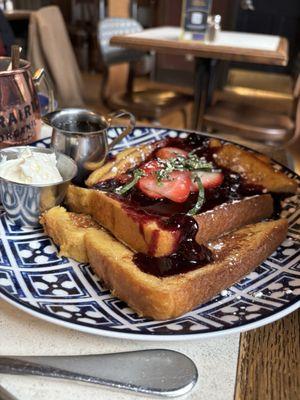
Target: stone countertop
22, 334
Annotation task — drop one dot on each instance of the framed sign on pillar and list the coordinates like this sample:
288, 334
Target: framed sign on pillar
194, 18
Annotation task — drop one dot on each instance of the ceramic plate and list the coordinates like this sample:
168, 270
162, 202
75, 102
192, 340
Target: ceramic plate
57, 289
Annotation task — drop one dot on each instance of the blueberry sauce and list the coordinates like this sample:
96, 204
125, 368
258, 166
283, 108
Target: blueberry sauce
188, 254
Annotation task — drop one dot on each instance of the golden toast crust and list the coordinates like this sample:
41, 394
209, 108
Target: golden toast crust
170, 297
254, 169
79, 199
68, 230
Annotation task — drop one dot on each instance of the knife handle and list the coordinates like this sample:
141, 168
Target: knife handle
5, 395
160, 372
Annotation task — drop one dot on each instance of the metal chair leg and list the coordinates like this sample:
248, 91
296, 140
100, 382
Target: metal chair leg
185, 117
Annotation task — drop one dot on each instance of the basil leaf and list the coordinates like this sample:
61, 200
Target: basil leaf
200, 200
137, 174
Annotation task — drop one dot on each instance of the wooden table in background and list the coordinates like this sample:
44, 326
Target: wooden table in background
230, 46
167, 40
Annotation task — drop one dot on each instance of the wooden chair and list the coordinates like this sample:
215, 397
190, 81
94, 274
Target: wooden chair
150, 103
267, 90
252, 122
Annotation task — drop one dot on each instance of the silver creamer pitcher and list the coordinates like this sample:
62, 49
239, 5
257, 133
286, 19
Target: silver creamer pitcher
82, 135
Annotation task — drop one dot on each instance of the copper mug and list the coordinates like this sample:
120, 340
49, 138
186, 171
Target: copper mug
20, 118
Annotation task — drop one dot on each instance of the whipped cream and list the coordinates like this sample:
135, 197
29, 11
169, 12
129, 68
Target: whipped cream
31, 167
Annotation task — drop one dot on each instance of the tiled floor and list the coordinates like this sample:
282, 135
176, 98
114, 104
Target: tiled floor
174, 120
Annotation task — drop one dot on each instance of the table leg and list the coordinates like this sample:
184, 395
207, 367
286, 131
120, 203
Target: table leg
200, 78
205, 81
211, 83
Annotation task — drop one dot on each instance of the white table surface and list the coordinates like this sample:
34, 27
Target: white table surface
244, 40
22, 334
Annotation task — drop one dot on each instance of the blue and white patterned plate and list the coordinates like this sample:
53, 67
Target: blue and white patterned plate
57, 289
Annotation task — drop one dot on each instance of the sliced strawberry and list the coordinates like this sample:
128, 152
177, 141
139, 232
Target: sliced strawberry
149, 170
176, 188
150, 167
170, 152
209, 180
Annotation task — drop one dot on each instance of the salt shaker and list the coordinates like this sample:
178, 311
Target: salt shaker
213, 28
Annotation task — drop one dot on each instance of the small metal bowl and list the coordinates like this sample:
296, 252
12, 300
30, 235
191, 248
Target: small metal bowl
24, 202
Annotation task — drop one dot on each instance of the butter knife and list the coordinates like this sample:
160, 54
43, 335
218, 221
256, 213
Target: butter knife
157, 372
5, 395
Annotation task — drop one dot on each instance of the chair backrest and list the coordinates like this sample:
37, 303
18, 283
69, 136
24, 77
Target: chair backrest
49, 46
110, 27
297, 109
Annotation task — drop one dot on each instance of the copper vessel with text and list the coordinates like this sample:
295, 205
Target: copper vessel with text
20, 118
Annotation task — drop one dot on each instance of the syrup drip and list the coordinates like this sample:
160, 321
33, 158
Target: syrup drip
189, 255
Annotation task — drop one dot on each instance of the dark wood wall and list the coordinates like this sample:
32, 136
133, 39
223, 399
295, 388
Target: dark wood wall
281, 17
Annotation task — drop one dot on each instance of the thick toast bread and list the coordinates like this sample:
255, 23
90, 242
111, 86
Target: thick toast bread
234, 255
150, 237
254, 168
78, 199
170, 297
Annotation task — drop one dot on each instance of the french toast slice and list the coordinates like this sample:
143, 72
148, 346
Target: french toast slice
234, 255
254, 168
148, 235
79, 199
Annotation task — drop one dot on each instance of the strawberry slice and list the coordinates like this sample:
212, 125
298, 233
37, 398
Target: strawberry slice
209, 180
170, 152
176, 188
151, 167
149, 170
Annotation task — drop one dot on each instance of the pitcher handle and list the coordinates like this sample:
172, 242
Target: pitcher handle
37, 77
131, 124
